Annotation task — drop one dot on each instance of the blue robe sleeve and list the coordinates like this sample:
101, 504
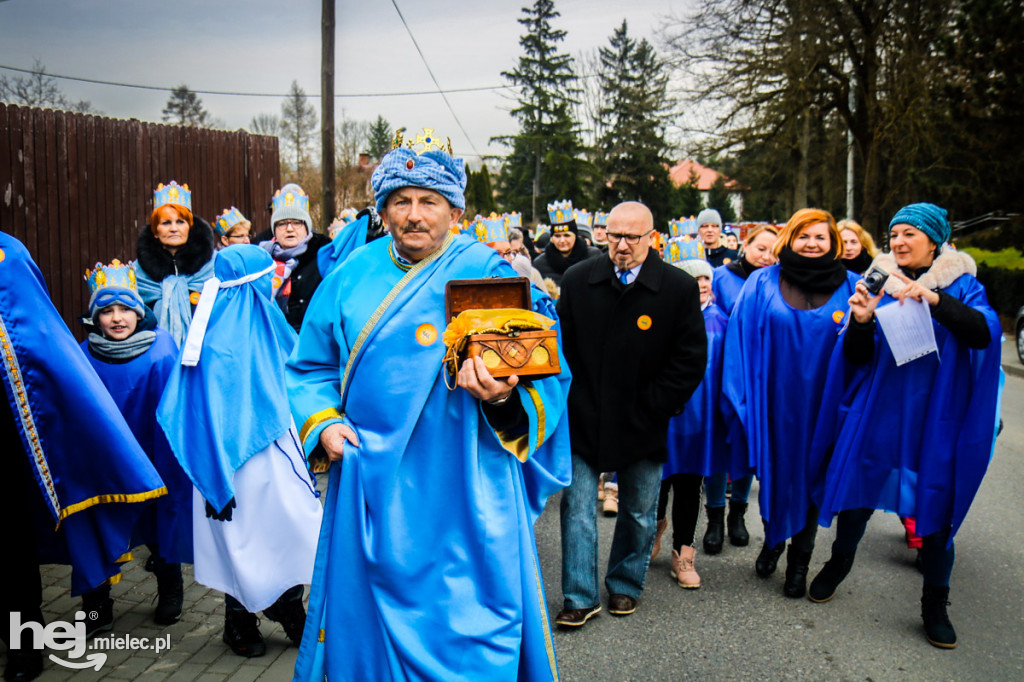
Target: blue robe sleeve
313, 371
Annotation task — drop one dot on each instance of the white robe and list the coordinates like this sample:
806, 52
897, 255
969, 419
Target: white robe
270, 543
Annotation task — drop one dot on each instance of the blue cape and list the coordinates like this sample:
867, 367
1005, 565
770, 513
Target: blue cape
170, 298
91, 472
427, 566
917, 439
696, 437
726, 286
349, 238
136, 387
772, 388
232, 404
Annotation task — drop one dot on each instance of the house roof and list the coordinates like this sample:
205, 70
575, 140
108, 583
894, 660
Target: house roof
680, 174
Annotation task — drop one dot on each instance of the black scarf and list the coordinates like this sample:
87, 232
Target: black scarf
821, 275
742, 268
858, 264
560, 263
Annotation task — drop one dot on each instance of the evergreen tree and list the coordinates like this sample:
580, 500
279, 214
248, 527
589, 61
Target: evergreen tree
479, 192
686, 200
632, 149
298, 125
379, 138
719, 199
545, 162
184, 108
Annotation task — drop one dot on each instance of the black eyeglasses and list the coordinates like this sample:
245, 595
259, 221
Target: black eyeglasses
631, 239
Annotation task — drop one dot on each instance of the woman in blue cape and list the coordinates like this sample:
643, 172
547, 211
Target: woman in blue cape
915, 438
73, 480
256, 513
175, 253
696, 440
780, 337
134, 360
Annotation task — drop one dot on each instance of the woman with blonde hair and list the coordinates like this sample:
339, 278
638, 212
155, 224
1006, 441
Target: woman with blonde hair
780, 338
858, 246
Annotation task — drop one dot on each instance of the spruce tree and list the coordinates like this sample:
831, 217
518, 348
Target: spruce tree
379, 138
632, 151
184, 108
719, 199
545, 163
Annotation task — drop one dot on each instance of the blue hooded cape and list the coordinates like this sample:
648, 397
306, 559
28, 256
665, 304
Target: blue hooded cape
772, 389
726, 286
916, 439
427, 566
92, 474
696, 437
349, 238
136, 387
232, 404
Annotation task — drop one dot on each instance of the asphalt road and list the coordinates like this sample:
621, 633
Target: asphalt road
738, 626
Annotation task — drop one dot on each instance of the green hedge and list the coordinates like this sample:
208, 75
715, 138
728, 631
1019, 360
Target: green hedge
1005, 288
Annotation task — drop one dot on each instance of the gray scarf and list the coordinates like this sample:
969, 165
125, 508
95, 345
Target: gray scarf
121, 351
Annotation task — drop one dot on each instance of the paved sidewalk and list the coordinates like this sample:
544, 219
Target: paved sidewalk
1011, 363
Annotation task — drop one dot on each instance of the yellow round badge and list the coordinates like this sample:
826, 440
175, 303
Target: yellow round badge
2, 255
838, 316
426, 334
193, 298
644, 322
275, 282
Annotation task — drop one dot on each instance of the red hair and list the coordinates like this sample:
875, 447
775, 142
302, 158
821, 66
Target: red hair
803, 219
172, 211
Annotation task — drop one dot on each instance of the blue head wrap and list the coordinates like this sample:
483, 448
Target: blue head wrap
435, 170
928, 218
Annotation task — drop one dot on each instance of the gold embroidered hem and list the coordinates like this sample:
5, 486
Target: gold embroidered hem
110, 498
538, 405
316, 420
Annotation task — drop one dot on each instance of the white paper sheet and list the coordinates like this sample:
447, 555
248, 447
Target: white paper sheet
908, 329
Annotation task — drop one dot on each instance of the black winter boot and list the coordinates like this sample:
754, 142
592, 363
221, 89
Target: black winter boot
170, 591
738, 535
937, 628
714, 537
797, 562
23, 665
288, 611
835, 570
768, 559
99, 611
242, 633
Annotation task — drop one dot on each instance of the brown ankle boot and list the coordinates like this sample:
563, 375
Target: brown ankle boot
683, 569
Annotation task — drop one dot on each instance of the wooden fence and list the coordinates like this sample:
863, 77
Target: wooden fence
76, 189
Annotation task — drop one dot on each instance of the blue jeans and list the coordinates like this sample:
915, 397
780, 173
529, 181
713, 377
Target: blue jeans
632, 542
714, 489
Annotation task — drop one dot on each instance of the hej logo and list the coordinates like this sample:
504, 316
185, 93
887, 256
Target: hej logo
60, 636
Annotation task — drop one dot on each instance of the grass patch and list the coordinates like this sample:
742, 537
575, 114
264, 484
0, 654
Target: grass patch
1009, 258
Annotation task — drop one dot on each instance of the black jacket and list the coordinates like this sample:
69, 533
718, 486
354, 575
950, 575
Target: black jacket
552, 264
637, 354
189, 259
720, 256
305, 279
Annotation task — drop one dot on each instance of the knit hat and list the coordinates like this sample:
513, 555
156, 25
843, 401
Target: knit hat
695, 267
291, 203
433, 167
709, 215
929, 218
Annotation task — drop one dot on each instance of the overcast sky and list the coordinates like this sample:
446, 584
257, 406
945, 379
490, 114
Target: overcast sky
260, 46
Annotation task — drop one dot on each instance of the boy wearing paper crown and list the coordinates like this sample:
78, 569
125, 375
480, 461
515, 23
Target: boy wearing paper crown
134, 358
565, 248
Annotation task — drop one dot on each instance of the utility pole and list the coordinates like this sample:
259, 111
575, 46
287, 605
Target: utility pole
327, 111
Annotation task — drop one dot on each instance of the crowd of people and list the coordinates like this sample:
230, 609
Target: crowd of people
219, 377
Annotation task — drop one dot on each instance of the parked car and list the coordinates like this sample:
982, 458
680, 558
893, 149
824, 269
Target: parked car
1019, 326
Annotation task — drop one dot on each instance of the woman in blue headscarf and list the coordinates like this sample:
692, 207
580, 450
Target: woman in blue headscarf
175, 257
256, 513
914, 438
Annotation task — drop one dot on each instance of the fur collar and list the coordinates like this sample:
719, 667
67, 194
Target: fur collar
945, 269
190, 258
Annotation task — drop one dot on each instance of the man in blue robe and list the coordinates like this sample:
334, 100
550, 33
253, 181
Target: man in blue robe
427, 565
73, 479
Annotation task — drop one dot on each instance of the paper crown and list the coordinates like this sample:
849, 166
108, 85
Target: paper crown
560, 212
515, 220
600, 219
346, 216
583, 217
493, 228
116, 275
682, 227
173, 193
541, 229
424, 142
228, 219
683, 249
290, 196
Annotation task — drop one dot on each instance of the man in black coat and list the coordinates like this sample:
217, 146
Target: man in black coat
633, 336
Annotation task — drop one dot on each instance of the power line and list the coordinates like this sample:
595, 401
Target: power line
434, 78
158, 88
